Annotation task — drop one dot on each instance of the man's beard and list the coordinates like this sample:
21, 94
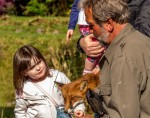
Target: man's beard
103, 37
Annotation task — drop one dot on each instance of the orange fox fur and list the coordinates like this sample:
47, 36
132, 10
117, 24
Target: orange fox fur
76, 90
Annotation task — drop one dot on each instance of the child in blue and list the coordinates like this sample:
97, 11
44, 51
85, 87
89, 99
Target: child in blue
78, 17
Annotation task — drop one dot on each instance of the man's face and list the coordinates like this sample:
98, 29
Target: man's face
98, 31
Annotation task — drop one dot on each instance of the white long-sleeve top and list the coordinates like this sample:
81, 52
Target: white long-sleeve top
81, 18
35, 104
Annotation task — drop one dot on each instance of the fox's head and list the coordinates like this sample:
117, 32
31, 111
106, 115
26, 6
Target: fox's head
75, 91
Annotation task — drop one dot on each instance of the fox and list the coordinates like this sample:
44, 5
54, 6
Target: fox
76, 90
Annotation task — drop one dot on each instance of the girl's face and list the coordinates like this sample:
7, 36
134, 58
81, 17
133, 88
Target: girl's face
37, 69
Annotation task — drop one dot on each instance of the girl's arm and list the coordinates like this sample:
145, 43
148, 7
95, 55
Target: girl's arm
74, 15
20, 110
73, 20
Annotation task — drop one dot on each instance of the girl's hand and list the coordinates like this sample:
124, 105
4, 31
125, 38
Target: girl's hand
69, 35
79, 114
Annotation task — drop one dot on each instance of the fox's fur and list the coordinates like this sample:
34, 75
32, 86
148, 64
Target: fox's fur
75, 91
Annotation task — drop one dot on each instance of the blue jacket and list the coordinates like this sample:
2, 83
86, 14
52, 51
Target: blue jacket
74, 15
140, 15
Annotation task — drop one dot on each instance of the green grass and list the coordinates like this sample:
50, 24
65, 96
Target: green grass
47, 34
6, 112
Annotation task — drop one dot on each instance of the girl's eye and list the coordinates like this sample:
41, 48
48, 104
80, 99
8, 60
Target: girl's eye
31, 67
39, 61
35, 64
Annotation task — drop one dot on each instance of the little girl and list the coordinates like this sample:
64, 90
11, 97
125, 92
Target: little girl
78, 17
32, 76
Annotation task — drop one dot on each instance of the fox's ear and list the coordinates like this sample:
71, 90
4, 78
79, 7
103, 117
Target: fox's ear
83, 85
60, 85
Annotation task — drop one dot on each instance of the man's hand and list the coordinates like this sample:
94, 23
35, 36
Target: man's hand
96, 70
91, 48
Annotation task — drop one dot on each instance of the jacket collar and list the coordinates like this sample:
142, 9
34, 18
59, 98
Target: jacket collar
115, 48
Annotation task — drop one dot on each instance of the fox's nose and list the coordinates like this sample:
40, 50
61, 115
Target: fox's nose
65, 111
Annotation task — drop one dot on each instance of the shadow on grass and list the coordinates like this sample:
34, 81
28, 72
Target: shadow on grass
7, 112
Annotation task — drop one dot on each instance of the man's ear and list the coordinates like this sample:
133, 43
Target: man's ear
83, 85
108, 25
60, 85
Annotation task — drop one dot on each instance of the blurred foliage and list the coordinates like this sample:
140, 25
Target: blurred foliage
34, 7
6, 112
42, 7
6, 6
67, 59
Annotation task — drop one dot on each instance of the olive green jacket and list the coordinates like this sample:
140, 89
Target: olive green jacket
125, 75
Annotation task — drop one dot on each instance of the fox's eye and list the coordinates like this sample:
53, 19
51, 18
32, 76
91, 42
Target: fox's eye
73, 97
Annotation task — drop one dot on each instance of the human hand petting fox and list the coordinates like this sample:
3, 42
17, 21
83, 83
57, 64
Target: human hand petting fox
79, 114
